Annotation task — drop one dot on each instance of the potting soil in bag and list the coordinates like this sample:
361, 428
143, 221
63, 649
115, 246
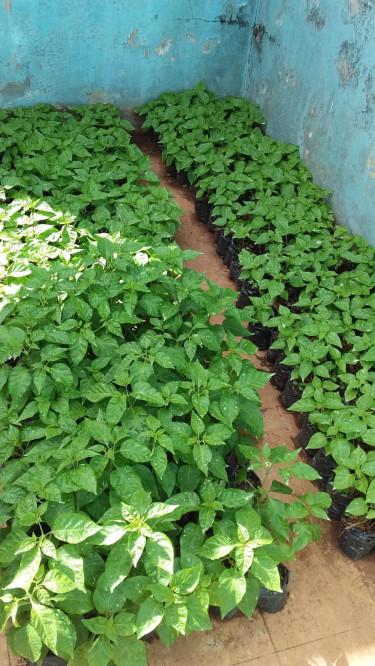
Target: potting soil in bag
281, 376
202, 209
355, 542
260, 335
290, 394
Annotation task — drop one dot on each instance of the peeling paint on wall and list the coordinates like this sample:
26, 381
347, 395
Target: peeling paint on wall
368, 110
355, 6
317, 17
209, 44
119, 52
132, 40
164, 47
98, 96
15, 88
288, 76
347, 63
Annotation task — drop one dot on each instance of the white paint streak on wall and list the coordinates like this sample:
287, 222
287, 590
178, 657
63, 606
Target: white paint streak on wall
8, 6
370, 162
164, 47
191, 38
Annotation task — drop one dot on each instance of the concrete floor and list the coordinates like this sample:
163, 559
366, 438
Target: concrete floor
329, 617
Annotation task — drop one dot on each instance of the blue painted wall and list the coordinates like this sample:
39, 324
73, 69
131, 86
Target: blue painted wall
122, 51
310, 64
312, 70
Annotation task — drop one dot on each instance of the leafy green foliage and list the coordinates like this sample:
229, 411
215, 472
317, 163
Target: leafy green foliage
311, 280
119, 402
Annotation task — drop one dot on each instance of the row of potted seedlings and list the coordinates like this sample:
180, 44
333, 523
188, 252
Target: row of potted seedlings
129, 502
308, 287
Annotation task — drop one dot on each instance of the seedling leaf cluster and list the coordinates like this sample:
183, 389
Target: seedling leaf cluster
119, 405
309, 283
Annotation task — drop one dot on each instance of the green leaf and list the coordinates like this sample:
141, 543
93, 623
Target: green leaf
357, 507
206, 517
124, 624
110, 591
229, 407
188, 477
71, 562
159, 558
149, 616
304, 534
249, 601
18, 382
159, 461
84, 477
266, 571
78, 350
115, 408
96, 625
217, 434
317, 441
234, 498
39, 378
303, 471
201, 404
129, 652
147, 393
11, 342
99, 431
231, 590
27, 570
62, 374
57, 581
198, 618
216, 547
97, 392
74, 527
55, 629
75, 602
197, 424
101, 652
370, 495
369, 356
135, 451
343, 478
186, 580
303, 405
128, 487
176, 616
135, 546
202, 456
27, 642
333, 339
